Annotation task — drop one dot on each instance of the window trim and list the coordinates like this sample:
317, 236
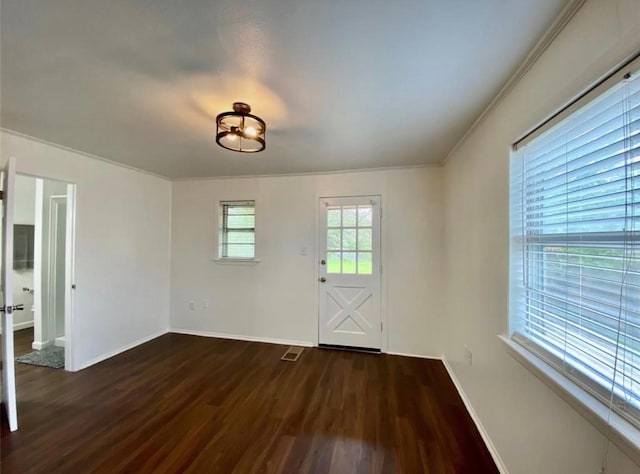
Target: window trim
235, 260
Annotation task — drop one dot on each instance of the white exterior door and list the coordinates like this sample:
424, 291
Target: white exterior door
349, 272
8, 361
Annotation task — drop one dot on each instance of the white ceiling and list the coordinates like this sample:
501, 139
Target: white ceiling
342, 84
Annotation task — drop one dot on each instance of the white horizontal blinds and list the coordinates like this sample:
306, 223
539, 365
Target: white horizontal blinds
575, 247
237, 238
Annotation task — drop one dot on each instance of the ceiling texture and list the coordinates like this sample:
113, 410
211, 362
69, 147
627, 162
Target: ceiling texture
342, 84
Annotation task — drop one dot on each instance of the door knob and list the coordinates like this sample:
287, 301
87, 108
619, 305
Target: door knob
323, 279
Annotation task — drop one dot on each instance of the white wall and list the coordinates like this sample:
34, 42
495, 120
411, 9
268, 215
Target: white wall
276, 298
24, 213
533, 430
122, 258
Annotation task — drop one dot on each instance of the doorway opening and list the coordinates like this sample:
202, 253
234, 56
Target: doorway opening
42, 266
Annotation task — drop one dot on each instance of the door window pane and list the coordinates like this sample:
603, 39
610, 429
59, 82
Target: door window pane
333, 239
333, 217
364, 239
348, 216
348, 239
365, 266
348, 262
333, 262
365, 216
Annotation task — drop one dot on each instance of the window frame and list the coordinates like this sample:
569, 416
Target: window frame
223, 231
622, 426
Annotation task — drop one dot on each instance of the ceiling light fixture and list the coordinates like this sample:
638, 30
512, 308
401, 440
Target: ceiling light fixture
240, 130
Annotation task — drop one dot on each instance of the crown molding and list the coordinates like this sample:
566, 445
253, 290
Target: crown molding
82, 153
563, 18
314, 173
206, 178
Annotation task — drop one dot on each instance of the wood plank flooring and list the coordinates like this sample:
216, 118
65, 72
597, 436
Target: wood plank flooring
200, 405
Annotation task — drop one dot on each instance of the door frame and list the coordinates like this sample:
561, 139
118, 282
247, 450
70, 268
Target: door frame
9, 387
70, 259
54, 205
383, 265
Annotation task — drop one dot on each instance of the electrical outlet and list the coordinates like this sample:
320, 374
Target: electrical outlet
205, 304
192, 305
468, 355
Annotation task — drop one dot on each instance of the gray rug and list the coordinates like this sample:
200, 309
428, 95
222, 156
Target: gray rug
50, 356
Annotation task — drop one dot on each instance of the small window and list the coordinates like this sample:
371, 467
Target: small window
237, 230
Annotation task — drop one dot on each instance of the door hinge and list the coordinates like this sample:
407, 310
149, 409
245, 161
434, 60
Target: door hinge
380, 326
1, 195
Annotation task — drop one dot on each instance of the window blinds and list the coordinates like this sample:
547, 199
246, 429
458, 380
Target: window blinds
575, 245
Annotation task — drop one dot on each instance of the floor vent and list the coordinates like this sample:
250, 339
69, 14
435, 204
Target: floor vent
292, 354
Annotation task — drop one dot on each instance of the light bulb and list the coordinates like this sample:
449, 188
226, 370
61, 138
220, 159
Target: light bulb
250, 132
232, 136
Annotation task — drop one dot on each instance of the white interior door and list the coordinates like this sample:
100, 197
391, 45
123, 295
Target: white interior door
349, 272
8, 361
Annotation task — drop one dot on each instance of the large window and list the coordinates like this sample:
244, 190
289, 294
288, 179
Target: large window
575, 243
237, 230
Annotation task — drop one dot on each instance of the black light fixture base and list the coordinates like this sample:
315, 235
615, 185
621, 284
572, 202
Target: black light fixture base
241, 108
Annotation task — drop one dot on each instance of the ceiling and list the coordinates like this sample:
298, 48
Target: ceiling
342, 84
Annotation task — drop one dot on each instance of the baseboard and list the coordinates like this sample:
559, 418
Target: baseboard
284, 342
39, 345
119, 350
24, 325
474, 416
419, 356
19, 326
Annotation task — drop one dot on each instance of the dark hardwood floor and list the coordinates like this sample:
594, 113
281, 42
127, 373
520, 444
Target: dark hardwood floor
192, 404
22, 341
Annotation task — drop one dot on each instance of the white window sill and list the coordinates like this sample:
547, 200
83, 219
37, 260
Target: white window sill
622, 433
237, 261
